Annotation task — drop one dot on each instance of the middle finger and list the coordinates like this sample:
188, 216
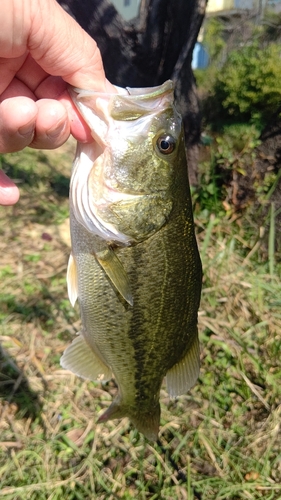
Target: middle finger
52, 125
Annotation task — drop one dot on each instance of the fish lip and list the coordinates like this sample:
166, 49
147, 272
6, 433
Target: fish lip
120, 196
132, 93
133, 102
131, 194
110, 194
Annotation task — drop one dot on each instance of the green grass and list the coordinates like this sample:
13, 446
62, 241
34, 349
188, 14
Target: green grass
221, 441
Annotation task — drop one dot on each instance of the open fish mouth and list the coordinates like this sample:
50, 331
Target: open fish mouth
101, 110
85, 209
97, 193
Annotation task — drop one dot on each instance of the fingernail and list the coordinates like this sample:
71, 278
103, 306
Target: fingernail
57, 130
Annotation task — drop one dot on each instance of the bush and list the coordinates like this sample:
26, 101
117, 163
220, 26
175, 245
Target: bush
248, 86
227, 177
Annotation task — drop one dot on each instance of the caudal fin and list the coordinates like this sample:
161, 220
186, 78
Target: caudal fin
145, 422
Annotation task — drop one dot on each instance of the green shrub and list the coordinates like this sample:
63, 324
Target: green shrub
215, 45
232, 155
248, 86
213, 38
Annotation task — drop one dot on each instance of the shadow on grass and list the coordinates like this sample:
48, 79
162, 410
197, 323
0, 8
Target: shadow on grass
39, 306
14, 388
31, 176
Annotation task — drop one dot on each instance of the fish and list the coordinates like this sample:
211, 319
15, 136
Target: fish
134, 266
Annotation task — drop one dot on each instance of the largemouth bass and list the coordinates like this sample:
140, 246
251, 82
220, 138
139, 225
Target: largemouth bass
134, 267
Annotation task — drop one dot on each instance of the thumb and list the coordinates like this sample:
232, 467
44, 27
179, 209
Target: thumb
62, 48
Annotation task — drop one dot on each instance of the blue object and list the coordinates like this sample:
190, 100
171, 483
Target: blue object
200, 57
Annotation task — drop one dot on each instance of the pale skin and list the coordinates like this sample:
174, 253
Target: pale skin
42, 49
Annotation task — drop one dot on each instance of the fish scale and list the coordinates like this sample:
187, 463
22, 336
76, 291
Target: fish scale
138, 300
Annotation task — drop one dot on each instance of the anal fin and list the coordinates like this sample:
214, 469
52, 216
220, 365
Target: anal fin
84, 362
116, 272
183, 375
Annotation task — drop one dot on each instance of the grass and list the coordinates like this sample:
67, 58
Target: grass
221, 441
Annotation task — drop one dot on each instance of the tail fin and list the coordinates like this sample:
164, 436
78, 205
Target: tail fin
148, 423
145, 422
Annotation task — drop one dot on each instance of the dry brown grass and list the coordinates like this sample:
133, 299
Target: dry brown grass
224, 437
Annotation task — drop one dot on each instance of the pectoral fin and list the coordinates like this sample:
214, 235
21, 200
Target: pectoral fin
116, 272
72, 280
84, 362
182, 376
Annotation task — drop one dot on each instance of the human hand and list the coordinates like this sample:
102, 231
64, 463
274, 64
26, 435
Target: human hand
41, 50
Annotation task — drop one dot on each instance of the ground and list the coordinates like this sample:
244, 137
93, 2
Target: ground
221, 441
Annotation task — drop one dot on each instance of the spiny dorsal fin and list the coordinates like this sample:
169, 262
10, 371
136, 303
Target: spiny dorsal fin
84, 362
182, 376
72, 280
116, 272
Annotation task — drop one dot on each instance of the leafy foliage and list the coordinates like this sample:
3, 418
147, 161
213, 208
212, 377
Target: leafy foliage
213, 39
231, 157
272, 26
248, 86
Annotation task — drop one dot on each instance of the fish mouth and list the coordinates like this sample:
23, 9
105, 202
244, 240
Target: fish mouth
102, 209
113, 195
87, 199
91, 192
101, 109
132, 93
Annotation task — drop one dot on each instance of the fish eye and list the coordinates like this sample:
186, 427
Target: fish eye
166, 144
